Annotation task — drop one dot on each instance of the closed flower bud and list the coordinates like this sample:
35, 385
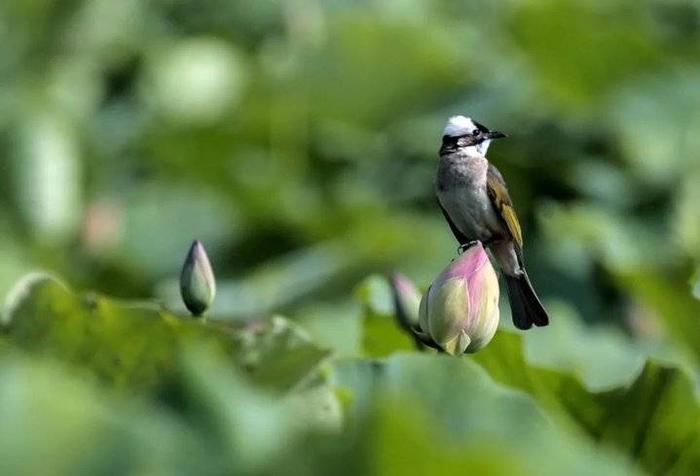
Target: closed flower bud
459, 312
406, 301
197, 282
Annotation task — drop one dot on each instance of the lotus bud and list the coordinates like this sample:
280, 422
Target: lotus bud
197, 282
459, 312
406, 301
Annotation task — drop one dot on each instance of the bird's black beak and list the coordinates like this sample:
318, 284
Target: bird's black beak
495, 135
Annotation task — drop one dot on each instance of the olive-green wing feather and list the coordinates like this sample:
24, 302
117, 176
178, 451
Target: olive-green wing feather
498, 193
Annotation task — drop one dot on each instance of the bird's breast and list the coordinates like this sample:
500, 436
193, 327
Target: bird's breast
462, 191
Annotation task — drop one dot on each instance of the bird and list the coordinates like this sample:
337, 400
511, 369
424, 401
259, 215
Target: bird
474, 199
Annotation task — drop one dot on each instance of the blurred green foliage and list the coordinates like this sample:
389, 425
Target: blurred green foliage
297, 139
127, 388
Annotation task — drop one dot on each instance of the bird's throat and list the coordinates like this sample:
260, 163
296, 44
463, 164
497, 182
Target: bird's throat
461, 169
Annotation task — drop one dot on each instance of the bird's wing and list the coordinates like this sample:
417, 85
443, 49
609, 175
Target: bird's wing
498, 193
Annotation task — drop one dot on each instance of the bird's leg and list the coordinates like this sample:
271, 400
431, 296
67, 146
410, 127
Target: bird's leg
465, 246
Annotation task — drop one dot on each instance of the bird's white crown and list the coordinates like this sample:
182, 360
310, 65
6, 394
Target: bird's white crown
458, 126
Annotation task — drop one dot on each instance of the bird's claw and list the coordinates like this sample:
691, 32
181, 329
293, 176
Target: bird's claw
465, 246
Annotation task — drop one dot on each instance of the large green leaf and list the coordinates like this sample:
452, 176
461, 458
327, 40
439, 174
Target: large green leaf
654, 417
246, 391
136, 346
54, 422
57, 422
422, 414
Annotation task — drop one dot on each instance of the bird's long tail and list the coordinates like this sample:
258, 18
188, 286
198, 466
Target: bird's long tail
525, 306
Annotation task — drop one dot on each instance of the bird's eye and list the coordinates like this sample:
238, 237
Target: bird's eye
476, 132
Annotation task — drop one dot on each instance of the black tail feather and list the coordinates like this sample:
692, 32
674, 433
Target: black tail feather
525, 306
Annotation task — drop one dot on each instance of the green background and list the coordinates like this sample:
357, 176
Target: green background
298, 140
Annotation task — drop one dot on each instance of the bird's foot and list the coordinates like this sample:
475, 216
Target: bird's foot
465, 246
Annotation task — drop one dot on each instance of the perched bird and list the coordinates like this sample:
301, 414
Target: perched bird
474, 199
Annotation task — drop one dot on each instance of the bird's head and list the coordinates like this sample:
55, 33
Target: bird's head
464, 133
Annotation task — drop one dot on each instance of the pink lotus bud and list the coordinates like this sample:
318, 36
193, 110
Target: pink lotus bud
406, 301
459, 312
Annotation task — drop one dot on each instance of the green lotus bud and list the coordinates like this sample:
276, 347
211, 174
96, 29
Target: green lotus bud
406, 301
460, 312
197, 282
